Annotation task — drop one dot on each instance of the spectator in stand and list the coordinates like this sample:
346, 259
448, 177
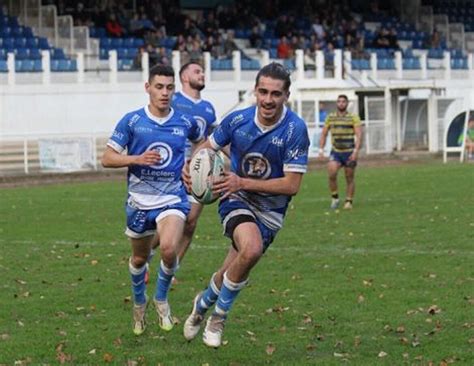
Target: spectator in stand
154, 37
393, 39
282, 27
284, 49
381, 39
255, 38
80, 16
229, 44
113, 27
317, 27
210, 26
98, 17
435, 40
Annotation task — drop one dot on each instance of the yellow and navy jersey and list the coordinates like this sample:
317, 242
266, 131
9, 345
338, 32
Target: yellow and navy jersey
342, 130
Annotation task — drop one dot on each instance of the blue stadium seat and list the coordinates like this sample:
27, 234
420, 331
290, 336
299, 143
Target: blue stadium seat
289, 64
43, 43
57, 54
35, 54
128, 42
459, 63
3, 54
385, 64
132, 52
116, 42
411, 63
22, 53
3, 66
122, 53
37, 65
5, 31
20, 42
24, 65
32, 42
105, 42
103, 53
273, 53
250, 64
435, 53
63, 65
9, 42
125, 64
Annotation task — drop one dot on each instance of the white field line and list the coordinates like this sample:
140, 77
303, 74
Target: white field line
333, 249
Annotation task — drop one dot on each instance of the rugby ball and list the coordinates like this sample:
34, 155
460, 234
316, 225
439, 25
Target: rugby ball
205, 166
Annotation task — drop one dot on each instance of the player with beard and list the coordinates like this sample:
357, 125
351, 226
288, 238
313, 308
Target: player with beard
346, 135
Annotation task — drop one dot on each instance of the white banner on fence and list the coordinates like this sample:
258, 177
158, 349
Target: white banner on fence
66, 155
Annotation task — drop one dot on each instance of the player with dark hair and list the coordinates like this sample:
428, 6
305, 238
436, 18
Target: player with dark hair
346, 135
269, 152
188, 101
154, 138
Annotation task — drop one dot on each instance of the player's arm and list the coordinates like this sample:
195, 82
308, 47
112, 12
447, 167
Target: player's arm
322, 140
358, 142
288, 185
114, 159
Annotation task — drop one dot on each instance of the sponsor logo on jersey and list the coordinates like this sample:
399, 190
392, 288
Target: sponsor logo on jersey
134, 119
177, 131
238, 118
255, 165
277, 141
165, 152
143, 129
118, 135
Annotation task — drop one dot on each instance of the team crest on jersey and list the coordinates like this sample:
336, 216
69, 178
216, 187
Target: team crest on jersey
255, 165
165, 152
201, 123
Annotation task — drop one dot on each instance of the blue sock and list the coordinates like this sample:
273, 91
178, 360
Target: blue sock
138, 283
165, 275
229, 292
209, 297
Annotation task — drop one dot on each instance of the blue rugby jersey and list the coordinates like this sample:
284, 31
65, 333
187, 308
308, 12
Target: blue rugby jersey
200, 109
264, 153
158, 185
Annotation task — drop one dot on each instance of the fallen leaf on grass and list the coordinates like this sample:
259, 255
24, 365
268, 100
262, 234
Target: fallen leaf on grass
118, 342
357, 341
94, 262
404, 340
382, 354
108, 357
307, 319
401, 329
368, 283
92, 351
310, 347
132, 363
434, 309
360, 299
4, 336
270, 349
62, 356
21, 282
127, 299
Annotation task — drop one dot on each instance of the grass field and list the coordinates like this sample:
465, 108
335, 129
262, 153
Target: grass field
389, 283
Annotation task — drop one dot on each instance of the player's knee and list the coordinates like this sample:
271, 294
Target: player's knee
251, 253
167, 252
138, 261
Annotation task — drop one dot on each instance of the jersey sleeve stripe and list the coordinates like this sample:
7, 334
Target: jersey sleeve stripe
114, 145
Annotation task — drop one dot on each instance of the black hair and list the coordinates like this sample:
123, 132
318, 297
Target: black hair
343, 96
276, 71
186, 65
162, 70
